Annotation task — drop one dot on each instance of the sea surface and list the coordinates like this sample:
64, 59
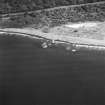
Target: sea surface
32, 75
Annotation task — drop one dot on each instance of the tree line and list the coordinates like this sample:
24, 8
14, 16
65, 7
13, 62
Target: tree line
8, 6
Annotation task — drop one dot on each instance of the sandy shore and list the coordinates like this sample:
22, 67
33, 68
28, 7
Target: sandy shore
96, 38
52, 36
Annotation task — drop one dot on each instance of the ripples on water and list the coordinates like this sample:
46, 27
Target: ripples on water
33, 75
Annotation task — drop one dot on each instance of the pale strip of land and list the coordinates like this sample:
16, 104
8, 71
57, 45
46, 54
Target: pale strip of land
55, 37
89, 33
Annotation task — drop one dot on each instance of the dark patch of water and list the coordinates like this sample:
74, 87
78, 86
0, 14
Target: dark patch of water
31, 75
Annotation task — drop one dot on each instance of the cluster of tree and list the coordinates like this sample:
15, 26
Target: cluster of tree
8, 6
58, 16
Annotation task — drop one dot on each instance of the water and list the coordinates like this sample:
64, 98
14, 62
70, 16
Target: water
32, 75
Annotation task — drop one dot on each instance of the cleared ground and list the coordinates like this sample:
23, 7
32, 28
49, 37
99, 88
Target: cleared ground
90, 30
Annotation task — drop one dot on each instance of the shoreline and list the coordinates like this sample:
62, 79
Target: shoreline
37, 33
74, 43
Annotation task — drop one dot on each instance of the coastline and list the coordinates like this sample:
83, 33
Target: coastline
74, 42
